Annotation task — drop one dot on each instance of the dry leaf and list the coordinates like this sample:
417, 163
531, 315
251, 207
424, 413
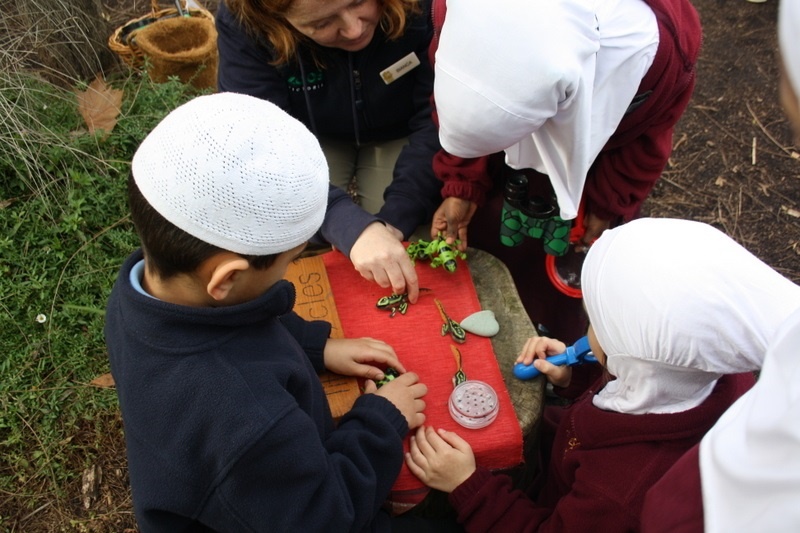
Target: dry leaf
99, 106
105, 381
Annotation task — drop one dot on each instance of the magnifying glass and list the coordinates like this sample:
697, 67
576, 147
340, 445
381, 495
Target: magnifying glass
565, 271
577, 354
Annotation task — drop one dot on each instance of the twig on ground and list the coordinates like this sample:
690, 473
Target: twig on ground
767, 133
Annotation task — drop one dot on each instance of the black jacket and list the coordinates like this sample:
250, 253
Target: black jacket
348, 100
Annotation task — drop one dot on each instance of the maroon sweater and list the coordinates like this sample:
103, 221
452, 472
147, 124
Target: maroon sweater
675, 503
602, 464
632, 160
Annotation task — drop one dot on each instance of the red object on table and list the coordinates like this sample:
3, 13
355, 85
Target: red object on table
416, 338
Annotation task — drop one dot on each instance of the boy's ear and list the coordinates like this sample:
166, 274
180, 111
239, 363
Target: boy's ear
223, 274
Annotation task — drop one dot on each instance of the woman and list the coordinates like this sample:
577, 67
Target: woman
356, 73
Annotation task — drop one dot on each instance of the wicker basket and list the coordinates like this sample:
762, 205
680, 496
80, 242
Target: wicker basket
122, 41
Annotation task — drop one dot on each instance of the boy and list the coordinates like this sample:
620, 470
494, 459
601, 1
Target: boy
226, 424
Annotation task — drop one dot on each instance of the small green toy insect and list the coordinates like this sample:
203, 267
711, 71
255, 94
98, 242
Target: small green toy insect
437, 251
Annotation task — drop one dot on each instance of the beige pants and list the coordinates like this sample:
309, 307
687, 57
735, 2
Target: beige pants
370, 167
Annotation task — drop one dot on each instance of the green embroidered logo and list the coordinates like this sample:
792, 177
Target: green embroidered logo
314, 80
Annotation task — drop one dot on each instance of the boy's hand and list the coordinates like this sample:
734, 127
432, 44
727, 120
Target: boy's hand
440, 459
406, 393
363, 358
379, 255
535, 351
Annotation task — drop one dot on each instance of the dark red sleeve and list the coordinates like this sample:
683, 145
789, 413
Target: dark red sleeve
622, 178
465, 178
675, 503
629, 165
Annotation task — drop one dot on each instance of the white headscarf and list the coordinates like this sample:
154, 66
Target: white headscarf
750, 459
788, 31
546, 81
675, 304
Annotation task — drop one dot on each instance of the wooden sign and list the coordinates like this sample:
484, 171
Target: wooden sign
315, 302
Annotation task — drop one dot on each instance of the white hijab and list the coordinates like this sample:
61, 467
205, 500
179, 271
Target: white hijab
788, 39
548, 81
750, 459
675, 304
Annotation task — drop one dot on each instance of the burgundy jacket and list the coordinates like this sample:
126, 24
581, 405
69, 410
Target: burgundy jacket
632, 160
675, 503
602, 464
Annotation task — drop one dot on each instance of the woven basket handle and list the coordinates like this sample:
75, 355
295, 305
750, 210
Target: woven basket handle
156, 5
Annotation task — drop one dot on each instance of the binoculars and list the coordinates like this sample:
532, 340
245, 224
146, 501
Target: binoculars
534, 217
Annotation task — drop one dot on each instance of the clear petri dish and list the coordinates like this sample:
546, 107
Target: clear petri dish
474, 404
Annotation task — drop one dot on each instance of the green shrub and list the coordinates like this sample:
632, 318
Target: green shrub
64, 234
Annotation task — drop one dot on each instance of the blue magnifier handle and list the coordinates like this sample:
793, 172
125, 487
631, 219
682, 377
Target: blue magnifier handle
578, 353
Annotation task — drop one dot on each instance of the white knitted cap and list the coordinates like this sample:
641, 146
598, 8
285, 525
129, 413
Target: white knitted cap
236, 172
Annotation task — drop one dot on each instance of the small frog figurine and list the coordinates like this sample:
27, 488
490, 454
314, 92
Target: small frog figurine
437, 251
388, 375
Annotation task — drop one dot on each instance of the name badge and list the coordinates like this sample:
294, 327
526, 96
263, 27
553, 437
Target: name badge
402, 67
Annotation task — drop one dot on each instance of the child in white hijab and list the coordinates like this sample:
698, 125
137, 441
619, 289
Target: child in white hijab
745, 474
582, 97
680, 314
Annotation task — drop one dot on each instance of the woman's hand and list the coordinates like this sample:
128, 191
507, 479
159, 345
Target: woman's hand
379, 255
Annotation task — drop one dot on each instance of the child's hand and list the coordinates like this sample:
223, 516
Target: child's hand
406, 393
359, 357
535, 351
442, 460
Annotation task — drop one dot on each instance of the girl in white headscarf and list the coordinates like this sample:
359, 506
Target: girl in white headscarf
680, 315
745, 474
583, 96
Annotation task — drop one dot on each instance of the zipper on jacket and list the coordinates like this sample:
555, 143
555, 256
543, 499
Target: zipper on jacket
355, 96
306, 97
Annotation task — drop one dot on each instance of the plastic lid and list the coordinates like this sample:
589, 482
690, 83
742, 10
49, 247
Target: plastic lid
474, 404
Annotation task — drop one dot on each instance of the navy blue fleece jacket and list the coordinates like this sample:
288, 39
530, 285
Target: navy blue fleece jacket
227, 425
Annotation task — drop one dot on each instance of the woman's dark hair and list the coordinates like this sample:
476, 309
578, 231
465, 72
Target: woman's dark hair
267, 19
168, 250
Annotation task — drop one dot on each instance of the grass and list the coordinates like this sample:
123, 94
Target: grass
64, 232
